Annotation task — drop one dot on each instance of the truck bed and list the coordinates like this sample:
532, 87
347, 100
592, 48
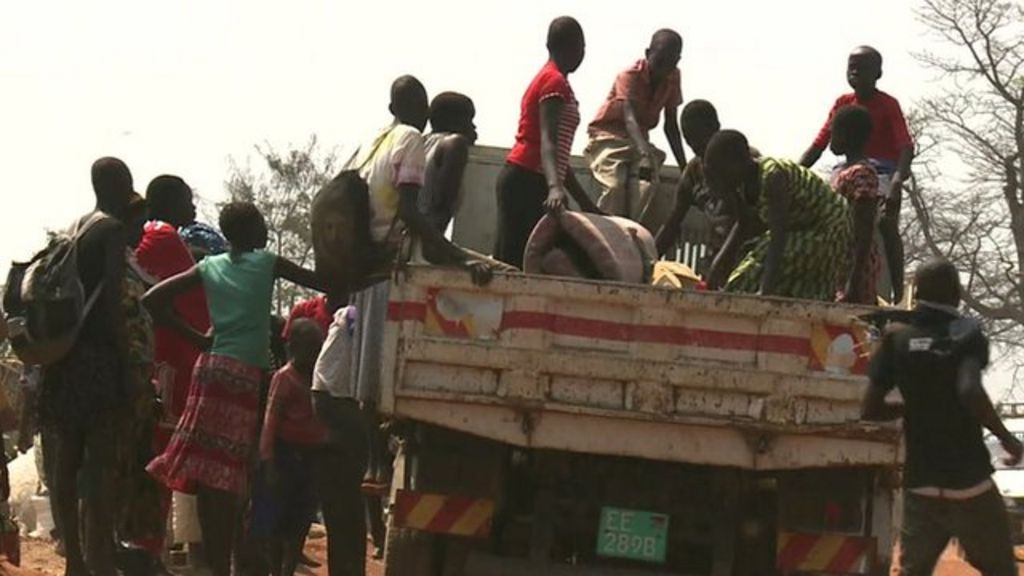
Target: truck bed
635, 371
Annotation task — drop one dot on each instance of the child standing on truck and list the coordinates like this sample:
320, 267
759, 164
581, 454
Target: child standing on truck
857, 181
890, 146
620, 142
936, 357
536, 176
290, 442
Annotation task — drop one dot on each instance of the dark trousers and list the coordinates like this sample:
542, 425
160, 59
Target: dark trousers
338, 475
980, 524
521, 196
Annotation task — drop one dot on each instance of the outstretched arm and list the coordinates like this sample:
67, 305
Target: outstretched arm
454, 156
674, 136
160, 303
434, 243
811, 156
974, 398
669, 233
777, 191
296, 274
881, 374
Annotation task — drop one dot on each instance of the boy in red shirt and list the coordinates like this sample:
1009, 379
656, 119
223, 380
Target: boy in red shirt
890, 148
288, 444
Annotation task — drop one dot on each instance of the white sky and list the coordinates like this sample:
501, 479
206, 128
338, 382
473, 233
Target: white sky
179, 86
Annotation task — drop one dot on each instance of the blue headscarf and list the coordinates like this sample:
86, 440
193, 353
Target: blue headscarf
204, 237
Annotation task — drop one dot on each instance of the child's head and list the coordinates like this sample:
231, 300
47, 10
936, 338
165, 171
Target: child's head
726, 161
170, 200
304, 342
409, 102
938, 281
566, 44
243, 226
664, 53
851, 128
699, 121
864, 69
453, 112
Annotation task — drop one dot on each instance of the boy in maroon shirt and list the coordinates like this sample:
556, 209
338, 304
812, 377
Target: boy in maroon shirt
890, 149
289, 442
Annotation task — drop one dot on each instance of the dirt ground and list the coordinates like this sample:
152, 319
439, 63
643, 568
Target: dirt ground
38, 559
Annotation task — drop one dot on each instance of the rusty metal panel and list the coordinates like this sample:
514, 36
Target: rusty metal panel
588, 392
446, 378
599, 367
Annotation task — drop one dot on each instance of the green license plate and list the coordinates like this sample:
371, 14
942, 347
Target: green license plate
632, 534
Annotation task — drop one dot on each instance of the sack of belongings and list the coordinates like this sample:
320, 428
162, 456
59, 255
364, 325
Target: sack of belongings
593, 246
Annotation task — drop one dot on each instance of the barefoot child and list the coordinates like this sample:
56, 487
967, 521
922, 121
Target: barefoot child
890, 146
857, 181
291, 438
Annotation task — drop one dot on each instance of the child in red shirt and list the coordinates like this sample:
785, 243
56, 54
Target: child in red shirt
890, 148
288, 444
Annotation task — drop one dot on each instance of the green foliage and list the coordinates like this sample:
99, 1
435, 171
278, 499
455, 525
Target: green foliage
283, 187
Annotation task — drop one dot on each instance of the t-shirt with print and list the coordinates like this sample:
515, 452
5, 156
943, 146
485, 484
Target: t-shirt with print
550, 82
239, 289
648, 101
945, 446
396, 157
889, 132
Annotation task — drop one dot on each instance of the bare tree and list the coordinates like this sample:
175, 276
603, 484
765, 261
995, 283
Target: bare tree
966, 193
283, 189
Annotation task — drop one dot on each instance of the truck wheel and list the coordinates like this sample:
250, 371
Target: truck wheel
408, 552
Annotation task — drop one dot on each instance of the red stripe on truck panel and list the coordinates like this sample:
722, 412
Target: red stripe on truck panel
852, 551
453, 509
606, 330
795, 549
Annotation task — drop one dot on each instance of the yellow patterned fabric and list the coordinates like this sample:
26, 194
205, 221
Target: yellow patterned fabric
818, 232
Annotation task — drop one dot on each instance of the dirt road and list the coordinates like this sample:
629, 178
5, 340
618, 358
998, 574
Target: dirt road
38, 559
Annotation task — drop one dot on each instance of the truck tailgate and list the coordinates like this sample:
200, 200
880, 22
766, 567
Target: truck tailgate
637, 371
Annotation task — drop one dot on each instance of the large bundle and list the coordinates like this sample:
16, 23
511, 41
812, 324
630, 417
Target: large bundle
591, 246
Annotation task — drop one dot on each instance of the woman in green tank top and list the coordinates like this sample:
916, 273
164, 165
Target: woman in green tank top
793, 232
209, 452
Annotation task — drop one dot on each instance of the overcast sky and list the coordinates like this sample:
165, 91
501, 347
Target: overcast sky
181, 86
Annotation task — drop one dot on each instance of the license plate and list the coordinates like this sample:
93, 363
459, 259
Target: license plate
632, 534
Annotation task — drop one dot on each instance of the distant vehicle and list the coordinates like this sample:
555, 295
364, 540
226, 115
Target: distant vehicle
1010, 479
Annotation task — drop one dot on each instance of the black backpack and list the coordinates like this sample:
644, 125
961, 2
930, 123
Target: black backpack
44, 301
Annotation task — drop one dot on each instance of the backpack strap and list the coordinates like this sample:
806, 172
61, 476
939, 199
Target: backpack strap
373, 151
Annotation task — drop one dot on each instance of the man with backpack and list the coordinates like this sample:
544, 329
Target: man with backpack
80, 390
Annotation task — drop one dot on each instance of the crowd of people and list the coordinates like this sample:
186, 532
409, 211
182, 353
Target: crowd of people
181, 381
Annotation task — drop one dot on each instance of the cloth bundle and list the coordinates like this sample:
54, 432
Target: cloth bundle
593, 246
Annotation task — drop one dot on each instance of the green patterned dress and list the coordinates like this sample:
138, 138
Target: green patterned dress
818, 232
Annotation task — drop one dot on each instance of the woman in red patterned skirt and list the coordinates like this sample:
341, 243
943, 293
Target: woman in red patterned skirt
212, 447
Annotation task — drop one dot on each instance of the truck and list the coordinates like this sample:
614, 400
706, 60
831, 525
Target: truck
554, 426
